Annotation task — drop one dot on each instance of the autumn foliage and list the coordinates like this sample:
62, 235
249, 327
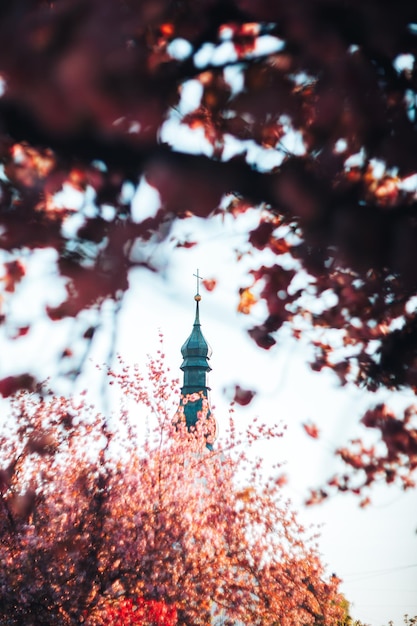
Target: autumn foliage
391, 459
132, 520
306, 113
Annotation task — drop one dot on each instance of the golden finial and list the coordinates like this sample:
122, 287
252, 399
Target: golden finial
197, 296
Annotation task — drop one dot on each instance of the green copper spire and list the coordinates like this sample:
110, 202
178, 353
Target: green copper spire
196, 353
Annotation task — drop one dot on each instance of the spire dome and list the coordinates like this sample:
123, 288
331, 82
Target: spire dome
196, 352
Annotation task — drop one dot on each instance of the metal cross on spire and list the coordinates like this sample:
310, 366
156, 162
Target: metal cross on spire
199, 278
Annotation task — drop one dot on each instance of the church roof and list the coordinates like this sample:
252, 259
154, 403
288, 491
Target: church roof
196, 350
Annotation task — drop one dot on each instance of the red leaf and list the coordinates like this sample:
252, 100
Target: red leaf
243, 396
209, 283
12, 384
262, 337
21, 332
186, 244
312, 430
15, 270
260, 237
89, 333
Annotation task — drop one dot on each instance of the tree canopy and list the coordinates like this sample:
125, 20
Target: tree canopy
325, 90
104, 524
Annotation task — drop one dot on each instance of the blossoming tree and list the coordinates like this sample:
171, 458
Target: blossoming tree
132, 518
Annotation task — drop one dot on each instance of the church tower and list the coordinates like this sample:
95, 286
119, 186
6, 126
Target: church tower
196, 353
